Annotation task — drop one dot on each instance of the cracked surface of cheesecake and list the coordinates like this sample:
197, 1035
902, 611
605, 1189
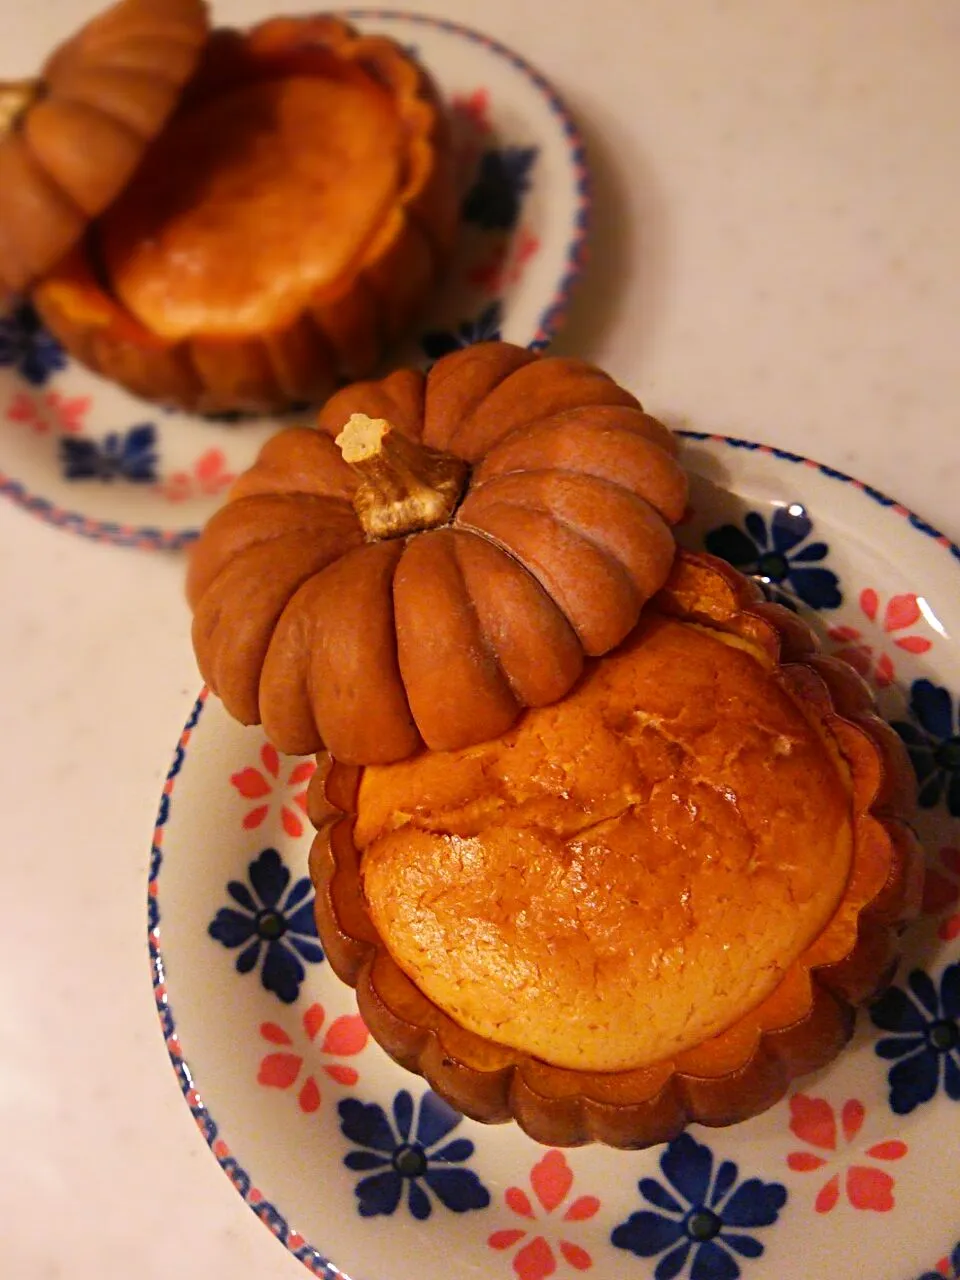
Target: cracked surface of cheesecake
654, 903
625, 873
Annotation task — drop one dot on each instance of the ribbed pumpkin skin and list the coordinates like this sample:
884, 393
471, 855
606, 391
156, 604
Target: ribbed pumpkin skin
103, 96
439, 638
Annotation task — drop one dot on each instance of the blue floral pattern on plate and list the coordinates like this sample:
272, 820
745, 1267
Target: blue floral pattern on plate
779, 558
26, 346
925, 1039
699, 1217
934, 744
285, 929
121, 455
407, 1152
495, 199
953, 1265
486, 328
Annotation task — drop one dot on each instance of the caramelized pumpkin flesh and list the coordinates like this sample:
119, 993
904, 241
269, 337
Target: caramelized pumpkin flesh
253, 204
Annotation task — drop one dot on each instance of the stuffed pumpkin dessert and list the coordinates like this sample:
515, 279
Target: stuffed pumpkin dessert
653, 903
271, 206
604, 845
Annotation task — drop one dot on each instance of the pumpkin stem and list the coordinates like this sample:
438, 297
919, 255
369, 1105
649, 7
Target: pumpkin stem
16, 98
404, 485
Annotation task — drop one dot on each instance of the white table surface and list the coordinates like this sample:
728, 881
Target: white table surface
776, 256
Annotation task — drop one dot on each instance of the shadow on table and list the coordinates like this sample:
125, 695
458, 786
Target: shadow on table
629, 249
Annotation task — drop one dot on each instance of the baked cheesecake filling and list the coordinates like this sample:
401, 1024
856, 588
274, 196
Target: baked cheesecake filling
627, 872
253, 203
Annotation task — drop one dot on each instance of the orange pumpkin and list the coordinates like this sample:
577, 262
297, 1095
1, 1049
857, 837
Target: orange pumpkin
278, 233
479, 529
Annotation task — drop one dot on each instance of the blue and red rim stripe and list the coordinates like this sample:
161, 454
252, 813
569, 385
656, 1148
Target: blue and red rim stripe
876, 495
266, 1211
555, 312
551, 318
120, 535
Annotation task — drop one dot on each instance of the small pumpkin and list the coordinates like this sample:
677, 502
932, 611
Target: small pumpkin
71, 139
232, 223
473, 533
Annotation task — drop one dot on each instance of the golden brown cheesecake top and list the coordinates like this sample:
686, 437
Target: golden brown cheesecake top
625, 873
251, 202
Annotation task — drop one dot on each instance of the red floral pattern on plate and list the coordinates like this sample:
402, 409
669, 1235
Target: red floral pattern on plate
472, 131
474, 109
552, 1180
941, 892
814, 1121
63, 415
863, 653
506, 263
345, 1037
208, 477
258, 784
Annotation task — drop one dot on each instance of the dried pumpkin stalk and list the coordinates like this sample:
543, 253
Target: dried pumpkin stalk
404, 486
16, 97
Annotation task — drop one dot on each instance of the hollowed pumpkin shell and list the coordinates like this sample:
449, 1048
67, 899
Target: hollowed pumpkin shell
374, 648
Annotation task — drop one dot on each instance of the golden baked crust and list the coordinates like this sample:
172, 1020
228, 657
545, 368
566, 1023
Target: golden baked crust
738, 1072
626, 872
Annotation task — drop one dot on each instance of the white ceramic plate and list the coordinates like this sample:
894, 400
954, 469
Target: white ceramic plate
347, 1157
83, 454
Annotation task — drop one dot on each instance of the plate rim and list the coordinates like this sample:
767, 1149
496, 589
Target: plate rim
879, 496
551, 319
268, 1213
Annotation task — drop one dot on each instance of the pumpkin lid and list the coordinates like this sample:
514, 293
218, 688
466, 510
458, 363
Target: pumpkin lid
445, 550
71, 138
